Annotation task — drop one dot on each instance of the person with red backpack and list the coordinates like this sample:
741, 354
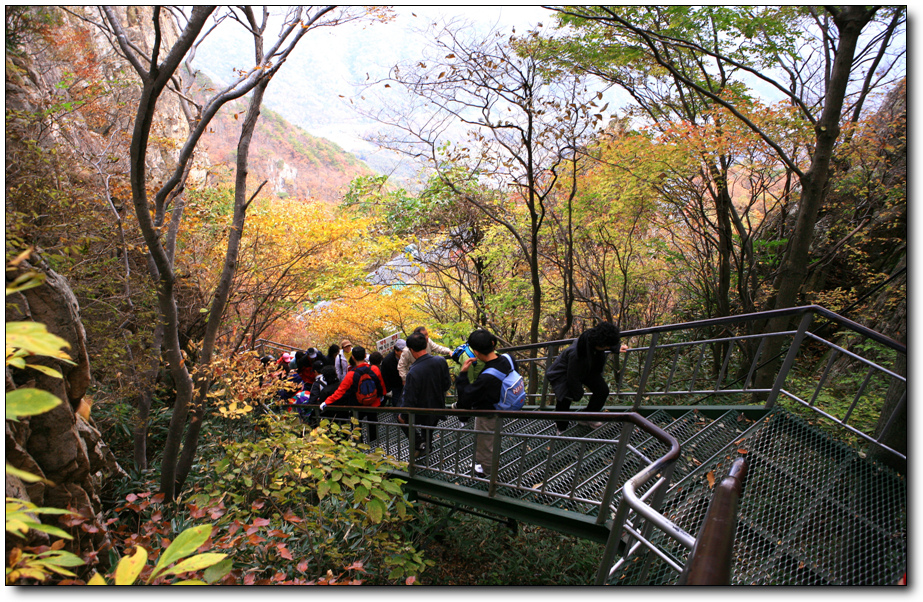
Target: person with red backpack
361, 386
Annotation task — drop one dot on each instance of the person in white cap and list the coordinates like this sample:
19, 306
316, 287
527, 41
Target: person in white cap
342, 360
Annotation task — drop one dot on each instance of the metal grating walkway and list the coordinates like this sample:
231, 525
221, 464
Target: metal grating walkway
813, 512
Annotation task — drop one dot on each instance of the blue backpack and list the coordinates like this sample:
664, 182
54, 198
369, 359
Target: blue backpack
512, 389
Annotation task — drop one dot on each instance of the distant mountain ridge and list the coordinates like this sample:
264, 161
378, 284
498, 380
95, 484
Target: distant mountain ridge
313, 88
295, 163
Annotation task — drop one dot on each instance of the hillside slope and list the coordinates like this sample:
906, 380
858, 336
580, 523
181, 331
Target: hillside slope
296, 163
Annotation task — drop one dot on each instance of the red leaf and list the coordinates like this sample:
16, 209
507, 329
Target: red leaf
249, 578
291, 517
302, 566
260, 522
410, 580
255, 540
257, 504
130, 497
284, 553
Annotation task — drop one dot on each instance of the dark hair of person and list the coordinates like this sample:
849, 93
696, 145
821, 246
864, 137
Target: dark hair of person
482, 341
419, 329
604, 334
333, 350
318, 365
358, 353
375, 358
416, 342
330, 374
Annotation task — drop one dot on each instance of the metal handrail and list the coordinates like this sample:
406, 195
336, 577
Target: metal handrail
712, 557
738, 319
769, 395
515, 440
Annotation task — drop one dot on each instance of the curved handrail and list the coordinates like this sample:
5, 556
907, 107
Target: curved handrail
630, 496
711, 560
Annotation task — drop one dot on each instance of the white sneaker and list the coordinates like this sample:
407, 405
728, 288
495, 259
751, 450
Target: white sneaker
479, 471
592, 425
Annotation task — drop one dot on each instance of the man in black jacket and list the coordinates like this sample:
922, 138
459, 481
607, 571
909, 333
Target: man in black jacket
582, 364
426, 386
393, 381
483, 393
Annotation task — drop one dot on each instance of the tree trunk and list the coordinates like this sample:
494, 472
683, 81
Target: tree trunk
850, 21
223, 290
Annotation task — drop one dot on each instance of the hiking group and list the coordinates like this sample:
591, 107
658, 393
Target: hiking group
415, 374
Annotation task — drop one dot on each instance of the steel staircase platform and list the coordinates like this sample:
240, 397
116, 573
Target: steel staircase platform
813, 512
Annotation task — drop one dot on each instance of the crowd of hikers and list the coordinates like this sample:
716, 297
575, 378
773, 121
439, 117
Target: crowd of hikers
415, 374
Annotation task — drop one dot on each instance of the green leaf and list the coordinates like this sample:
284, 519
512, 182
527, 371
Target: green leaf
323, 488
218, 571
61, 558
360, 493
392, 487
376, 510
97, 579
45, 370
185, 544
25, 282
195, 563
29, 402
35, 338
25, 476
130, 567
50, 530
190, 582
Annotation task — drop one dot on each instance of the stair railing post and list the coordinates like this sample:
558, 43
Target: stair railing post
552, 353
648, 362
613, 482
612, 543
412, 443
657, 505
495, 456
789, 360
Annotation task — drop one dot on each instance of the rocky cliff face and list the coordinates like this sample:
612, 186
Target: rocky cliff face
61, 446
74, 73
70, 95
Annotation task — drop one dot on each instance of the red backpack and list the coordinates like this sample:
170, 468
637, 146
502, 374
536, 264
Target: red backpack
366, 386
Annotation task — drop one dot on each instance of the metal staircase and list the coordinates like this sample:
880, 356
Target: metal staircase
815, 508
